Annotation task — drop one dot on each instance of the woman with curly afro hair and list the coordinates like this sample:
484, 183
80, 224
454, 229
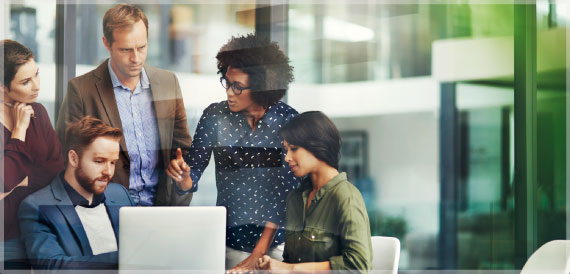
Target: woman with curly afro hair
252, 177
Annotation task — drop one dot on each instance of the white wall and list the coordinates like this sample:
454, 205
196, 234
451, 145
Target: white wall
404, 164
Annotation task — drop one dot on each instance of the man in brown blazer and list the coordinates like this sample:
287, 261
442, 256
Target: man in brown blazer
145, 102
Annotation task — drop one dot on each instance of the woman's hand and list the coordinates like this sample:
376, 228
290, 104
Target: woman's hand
23, 183
179, 171
273, 266
21, 114
248, 265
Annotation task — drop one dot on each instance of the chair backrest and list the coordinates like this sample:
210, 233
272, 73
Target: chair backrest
386, 254
551, 258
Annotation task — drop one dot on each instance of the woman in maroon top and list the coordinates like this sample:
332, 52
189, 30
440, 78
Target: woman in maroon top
32, 152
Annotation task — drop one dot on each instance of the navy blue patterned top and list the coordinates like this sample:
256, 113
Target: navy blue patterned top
252, 177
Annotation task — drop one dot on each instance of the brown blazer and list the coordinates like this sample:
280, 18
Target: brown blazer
92, 94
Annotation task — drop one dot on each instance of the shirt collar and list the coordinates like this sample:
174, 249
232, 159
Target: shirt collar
77, 199
143, 81
270, 116
330, 185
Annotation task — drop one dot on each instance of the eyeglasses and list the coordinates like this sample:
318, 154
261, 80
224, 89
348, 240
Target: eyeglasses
236, 88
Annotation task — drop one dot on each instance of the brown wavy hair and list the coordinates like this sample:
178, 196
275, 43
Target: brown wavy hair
82, 133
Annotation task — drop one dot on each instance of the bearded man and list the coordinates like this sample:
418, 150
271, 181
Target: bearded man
73, 223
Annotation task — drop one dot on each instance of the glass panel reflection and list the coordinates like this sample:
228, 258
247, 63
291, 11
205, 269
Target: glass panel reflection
33, 25
183, 38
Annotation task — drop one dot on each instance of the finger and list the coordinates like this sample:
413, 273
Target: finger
21, 107
174, 177
175, 166
28, 110
235, 271
240, 269
185, 167
17, 109
24, 107
179, 154
262, 263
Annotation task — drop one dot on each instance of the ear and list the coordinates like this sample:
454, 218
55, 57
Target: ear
73, 158
106, 43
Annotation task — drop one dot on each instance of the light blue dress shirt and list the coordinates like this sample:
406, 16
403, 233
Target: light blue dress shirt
141, 134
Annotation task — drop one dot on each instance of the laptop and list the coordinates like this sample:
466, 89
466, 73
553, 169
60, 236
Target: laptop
172, 239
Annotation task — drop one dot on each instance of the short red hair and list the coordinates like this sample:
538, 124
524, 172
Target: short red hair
82, 133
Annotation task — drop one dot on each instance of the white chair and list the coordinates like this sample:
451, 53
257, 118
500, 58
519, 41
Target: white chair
386, 254
551, 258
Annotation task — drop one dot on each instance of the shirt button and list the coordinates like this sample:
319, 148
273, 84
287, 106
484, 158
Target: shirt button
299, 238
299, 259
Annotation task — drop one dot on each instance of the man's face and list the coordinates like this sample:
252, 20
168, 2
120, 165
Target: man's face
97, 164
128, 51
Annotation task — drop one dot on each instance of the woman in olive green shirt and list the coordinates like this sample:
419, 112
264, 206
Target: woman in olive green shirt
327, 225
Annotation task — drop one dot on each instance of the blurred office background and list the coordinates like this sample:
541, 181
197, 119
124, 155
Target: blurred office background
453, 116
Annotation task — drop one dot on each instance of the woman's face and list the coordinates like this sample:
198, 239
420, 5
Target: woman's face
25, 86
301, 161
242, 102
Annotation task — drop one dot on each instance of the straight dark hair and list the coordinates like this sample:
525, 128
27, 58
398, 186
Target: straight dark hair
315, 132
14, 55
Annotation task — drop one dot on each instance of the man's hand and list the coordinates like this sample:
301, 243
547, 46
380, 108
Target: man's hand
179, 171
273, 266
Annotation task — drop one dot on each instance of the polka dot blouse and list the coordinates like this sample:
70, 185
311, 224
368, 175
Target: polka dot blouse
252, 177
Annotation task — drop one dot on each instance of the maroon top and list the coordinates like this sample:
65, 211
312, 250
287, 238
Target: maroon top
39, 158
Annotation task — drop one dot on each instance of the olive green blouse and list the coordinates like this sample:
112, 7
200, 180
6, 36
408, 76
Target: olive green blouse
335, 228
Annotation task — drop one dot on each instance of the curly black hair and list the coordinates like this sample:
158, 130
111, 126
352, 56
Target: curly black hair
266, 65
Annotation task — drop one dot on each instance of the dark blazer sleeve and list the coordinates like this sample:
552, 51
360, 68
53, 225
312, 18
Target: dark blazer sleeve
71, 109
181, 135
180, 139
42, 245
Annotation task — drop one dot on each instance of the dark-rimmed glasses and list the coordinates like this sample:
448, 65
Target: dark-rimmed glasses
236, 88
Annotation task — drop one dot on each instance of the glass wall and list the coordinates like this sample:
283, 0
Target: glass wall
378, 70
368, 67
485, 196
183, 38
552, 66
33, 24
